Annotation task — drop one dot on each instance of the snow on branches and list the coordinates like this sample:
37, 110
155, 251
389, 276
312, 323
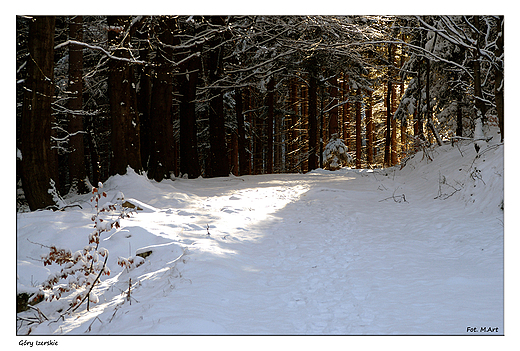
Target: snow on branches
336, 154
131, 262
82, 270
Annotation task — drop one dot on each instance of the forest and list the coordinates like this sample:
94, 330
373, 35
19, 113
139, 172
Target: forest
209, 96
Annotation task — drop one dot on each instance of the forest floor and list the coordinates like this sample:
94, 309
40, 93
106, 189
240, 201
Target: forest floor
413, 250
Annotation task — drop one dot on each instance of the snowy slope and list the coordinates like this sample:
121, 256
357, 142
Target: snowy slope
417, 250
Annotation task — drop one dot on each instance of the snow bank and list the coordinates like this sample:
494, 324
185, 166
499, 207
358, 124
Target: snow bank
407, 250
458, 173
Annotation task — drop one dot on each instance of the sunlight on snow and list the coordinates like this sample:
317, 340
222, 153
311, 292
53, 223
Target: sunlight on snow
235, 214
248, 207
238, 214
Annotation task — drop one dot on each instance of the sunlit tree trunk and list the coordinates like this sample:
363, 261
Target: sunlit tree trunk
333, 114
418, 125
388, 136
370, 129
358, 129
389, 88
404, 122
393, 148
404, 145
313, 124
346, 114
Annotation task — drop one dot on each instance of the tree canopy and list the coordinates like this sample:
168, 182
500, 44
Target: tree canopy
190, 96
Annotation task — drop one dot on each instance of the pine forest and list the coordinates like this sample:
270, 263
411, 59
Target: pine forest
191, 96
261, 175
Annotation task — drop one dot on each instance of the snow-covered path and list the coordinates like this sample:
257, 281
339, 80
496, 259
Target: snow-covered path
345, 252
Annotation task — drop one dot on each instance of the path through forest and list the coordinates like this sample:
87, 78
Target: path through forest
347, 252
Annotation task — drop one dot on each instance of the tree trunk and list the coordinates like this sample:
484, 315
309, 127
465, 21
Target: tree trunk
248, 115
459, 119
292, 136
322, 126
333, 114
404, 144
346, 114
393, 148
387, 160
303, 146
218, 165
258, 136
404, 122
313, 124
242, 150
233, 153
358, 129
91, 150
477, 81
189, 154
388, 139
123, 103
161, 164
270, 126
278, 147
36, 113
77, 170
429, 119
370, 130
144, 94
418, 127
218, 159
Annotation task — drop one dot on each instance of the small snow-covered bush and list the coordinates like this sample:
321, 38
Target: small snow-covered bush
130, 262
336, 154
82, 270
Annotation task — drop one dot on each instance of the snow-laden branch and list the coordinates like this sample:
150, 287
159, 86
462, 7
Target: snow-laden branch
62, 109
457, 36
247, 69
109, 55
422, 50
195, 54
68, 136
457, 40
99, 48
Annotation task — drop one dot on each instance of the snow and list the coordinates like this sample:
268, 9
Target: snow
417, 250
336, 154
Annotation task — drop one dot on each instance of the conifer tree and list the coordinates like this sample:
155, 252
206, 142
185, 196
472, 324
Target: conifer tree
77, 170
123, 100
36, 114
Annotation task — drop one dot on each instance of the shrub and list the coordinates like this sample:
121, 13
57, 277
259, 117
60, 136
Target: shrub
82, 270
336, 154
